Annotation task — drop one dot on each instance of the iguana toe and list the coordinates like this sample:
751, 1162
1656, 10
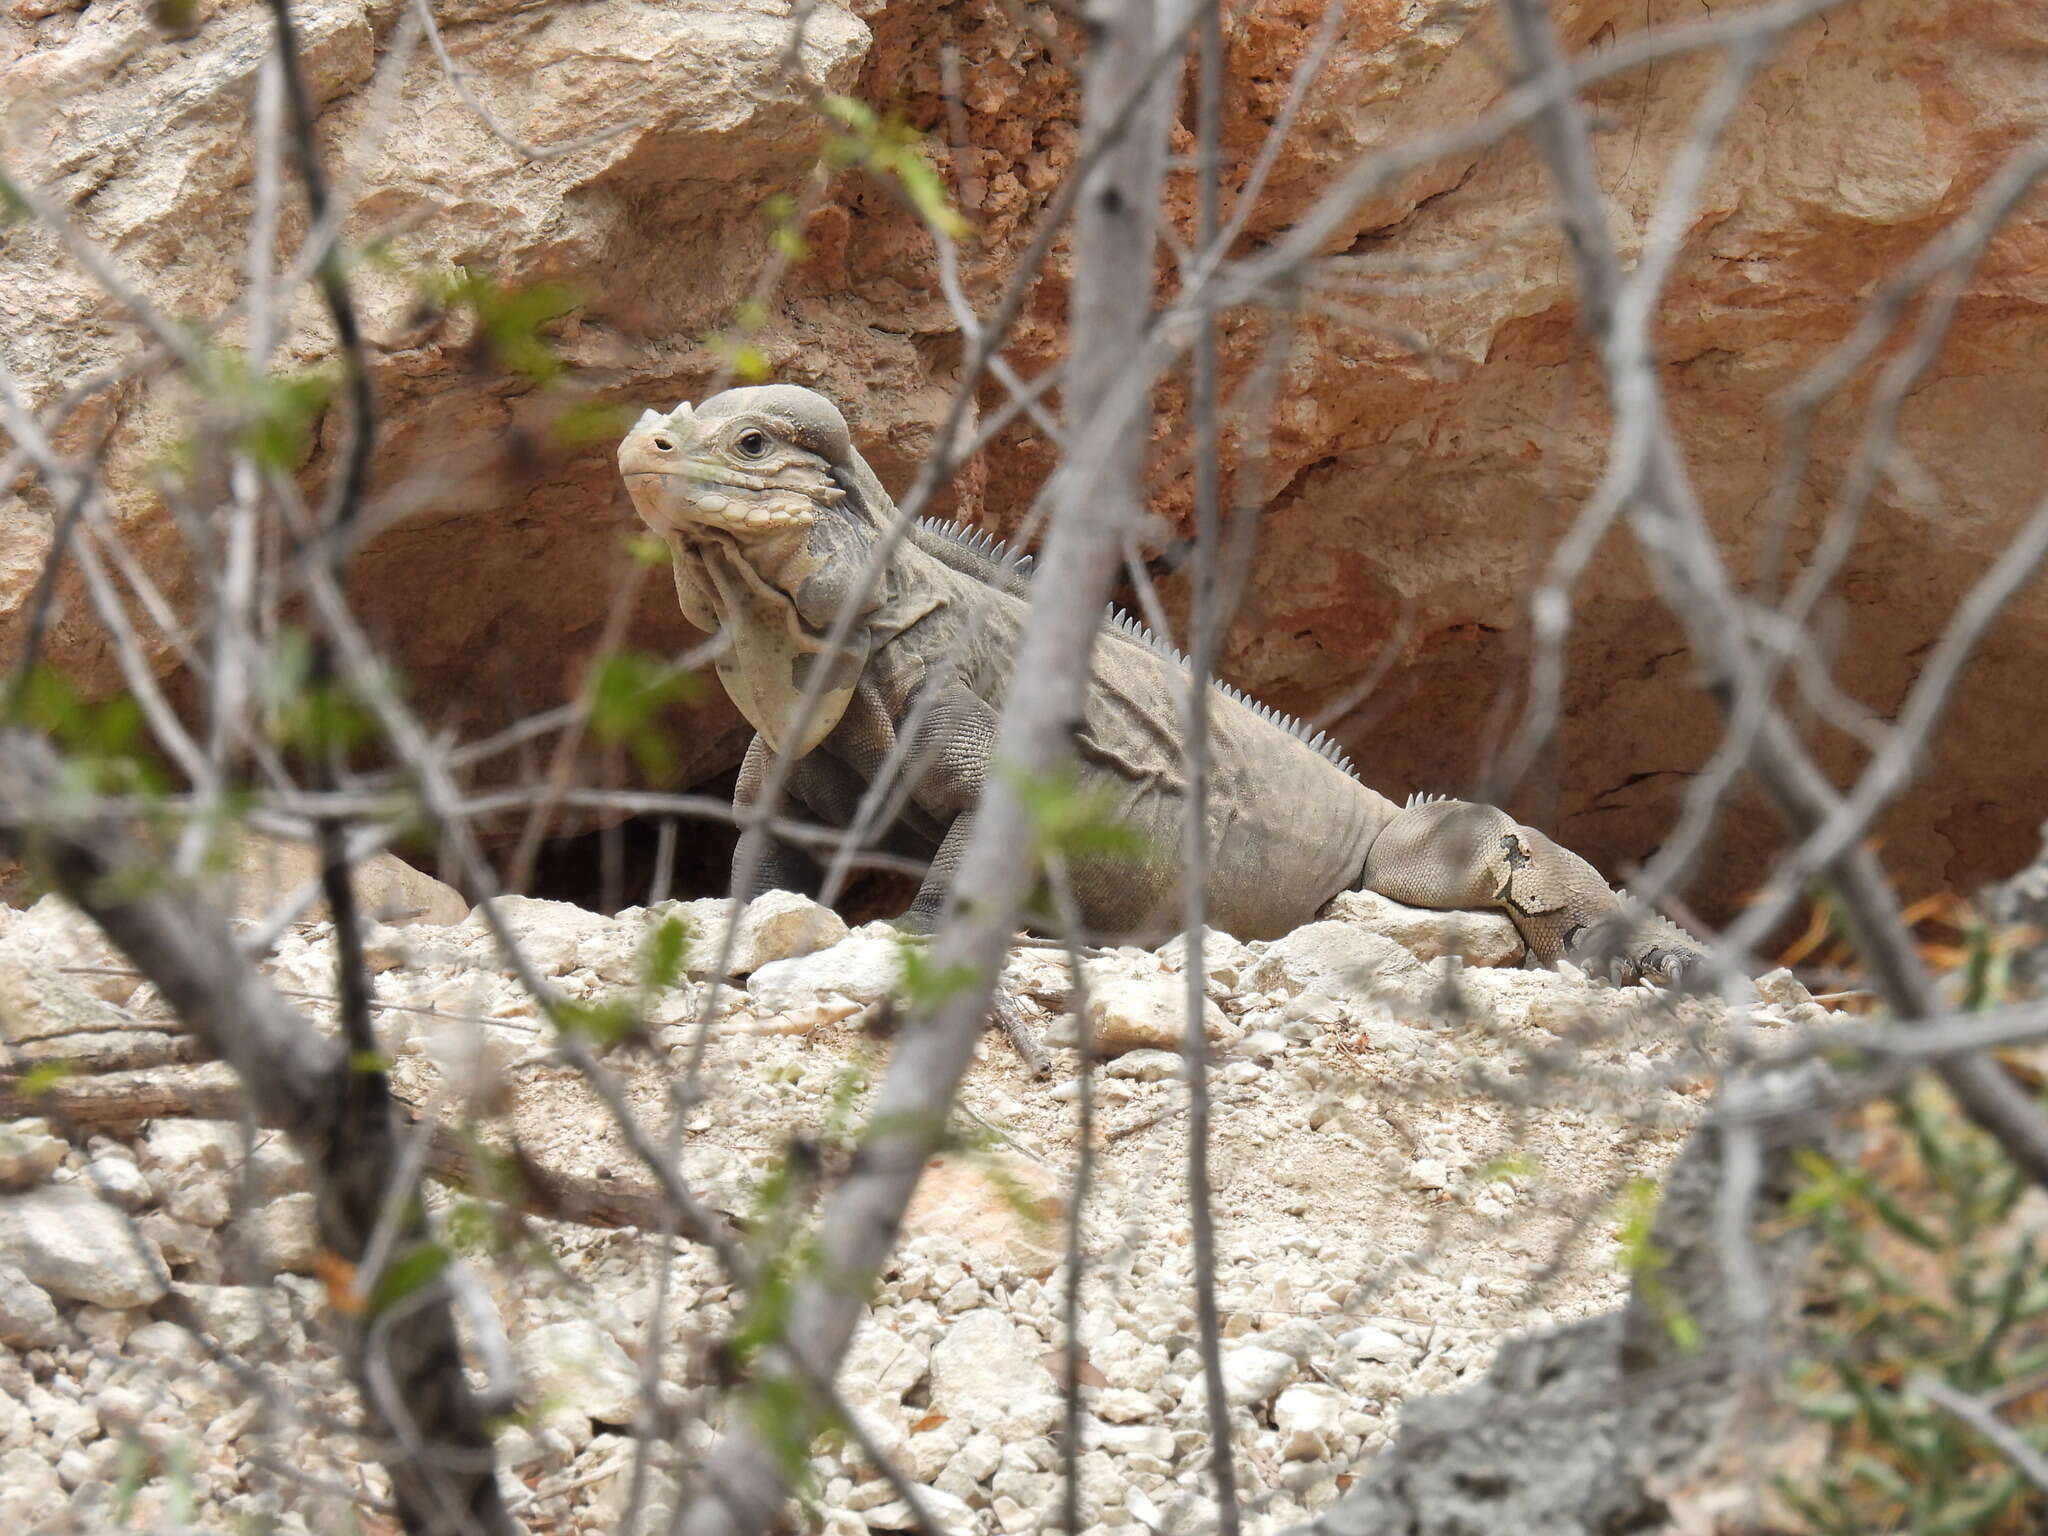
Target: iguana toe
1668, 965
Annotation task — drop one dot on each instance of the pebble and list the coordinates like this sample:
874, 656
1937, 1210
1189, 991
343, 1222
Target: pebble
28, 1318
1144, 1066
117, 1179
29, 1153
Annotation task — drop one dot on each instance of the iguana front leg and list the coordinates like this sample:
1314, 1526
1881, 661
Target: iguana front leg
1453, 853
823, 788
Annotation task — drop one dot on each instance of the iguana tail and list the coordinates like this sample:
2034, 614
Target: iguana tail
1453, 853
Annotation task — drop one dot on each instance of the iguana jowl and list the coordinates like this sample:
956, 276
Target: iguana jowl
770, 516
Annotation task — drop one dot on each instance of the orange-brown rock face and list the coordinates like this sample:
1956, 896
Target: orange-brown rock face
1433, 433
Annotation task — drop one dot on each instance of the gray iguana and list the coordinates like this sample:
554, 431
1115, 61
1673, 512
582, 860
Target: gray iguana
770, 516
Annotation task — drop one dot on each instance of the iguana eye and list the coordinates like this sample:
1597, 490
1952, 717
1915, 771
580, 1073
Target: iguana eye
752, 444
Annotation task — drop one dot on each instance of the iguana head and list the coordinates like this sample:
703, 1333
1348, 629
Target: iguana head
769, 514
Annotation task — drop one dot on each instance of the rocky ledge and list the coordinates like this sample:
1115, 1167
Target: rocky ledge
1420, 1149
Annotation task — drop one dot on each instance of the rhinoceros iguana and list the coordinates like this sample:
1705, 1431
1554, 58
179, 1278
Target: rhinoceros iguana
770, 517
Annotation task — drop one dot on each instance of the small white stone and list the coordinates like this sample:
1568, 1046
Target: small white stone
287, 1234
1125, 1405
163, 1341
107, 1327
989, 1374
1144, 1066
236, 1315
28, 1318
1252, 1373
29, 1153
947, 1511
1131, 1439
74, 1245
1142, 1013
1261, 1045
1428, 1173
577, 1371
832, 984
1306, 1418
201, 1201
1334, 959
119, 1180
180, 1145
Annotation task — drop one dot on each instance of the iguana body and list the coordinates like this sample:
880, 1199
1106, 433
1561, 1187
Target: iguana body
770, 517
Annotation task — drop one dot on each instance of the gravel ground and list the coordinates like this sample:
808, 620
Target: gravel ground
1420, 1147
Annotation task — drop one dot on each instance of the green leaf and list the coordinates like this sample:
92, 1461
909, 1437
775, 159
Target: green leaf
892, 148
628, 693
604, 1023
662, 954
592, 421
42, 1077
646, 550
1073, 819
103, 741
926, 985
509, 320
410, 1270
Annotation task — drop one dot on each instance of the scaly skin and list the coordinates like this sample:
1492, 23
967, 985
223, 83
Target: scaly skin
770, 514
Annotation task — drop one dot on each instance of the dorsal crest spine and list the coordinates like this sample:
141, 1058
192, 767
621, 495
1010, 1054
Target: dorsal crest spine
988, 547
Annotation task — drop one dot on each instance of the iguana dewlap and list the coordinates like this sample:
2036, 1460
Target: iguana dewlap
770, 516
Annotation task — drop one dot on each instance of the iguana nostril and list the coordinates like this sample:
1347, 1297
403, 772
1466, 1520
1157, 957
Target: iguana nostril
663, 445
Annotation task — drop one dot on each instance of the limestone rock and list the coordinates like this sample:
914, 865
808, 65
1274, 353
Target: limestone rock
1306, 1417
28, 1153
76, 1246
287, 1234
836, 983
261, 871
1477, 938
119, 1180
1252, 1373
1334, 959
777, 925
28, 1318
238, 1316
883, 1366
55, 934
38, 1003
549, 933
29, 1490
1143, 1013
577, 1370
1224, 957
986, 1374
949, 1511
1003, 1208
1144, 1066
176, 1148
